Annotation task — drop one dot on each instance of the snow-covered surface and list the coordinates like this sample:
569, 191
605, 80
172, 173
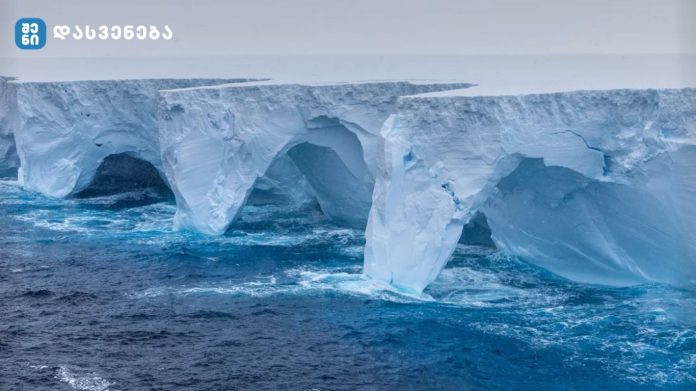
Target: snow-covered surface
66, 129
218, 141
596, 186
8, 153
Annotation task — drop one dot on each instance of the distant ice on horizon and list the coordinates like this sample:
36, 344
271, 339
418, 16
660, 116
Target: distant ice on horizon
494, 74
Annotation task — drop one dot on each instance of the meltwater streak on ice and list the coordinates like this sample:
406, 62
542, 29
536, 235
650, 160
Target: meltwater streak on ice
627, 338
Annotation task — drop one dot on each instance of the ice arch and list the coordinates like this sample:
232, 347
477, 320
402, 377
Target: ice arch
330, 161
590, 185
64, 130
218, 141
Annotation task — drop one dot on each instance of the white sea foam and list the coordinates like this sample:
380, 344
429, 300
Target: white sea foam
261, 287
302, 281
462, 287
9, 182
351, 282
83, 381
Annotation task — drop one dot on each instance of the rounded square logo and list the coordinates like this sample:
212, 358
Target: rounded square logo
30, 33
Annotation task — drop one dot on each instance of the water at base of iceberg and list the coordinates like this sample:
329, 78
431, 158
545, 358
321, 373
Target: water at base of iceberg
100, 294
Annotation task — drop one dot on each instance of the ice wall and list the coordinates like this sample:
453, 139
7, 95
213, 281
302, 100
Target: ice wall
595, 186
64, 130
9, 161
218, 141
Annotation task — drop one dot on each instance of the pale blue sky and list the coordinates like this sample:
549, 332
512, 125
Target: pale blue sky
298, 27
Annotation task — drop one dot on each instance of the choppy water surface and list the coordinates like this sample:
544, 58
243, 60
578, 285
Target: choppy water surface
101, 294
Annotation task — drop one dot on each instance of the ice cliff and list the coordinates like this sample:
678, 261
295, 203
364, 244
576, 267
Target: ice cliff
219, 142
595, 186
64, 130
9, 161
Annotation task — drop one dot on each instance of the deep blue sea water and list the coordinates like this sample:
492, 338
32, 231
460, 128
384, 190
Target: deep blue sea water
101, 294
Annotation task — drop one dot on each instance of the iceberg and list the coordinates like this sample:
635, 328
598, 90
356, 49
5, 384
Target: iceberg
9, 161
218, 143
595, 186
65, 130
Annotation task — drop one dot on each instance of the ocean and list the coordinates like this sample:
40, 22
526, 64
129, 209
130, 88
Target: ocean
102, 294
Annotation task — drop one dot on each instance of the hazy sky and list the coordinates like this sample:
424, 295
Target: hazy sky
297, 27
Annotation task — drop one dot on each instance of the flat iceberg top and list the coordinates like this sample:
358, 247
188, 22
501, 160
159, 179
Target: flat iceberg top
164, 82
460, 99
482, 91
632, 126
311, 96
288, 85
498, 74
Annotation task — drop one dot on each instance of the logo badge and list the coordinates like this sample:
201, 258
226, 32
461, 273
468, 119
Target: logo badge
30, 33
